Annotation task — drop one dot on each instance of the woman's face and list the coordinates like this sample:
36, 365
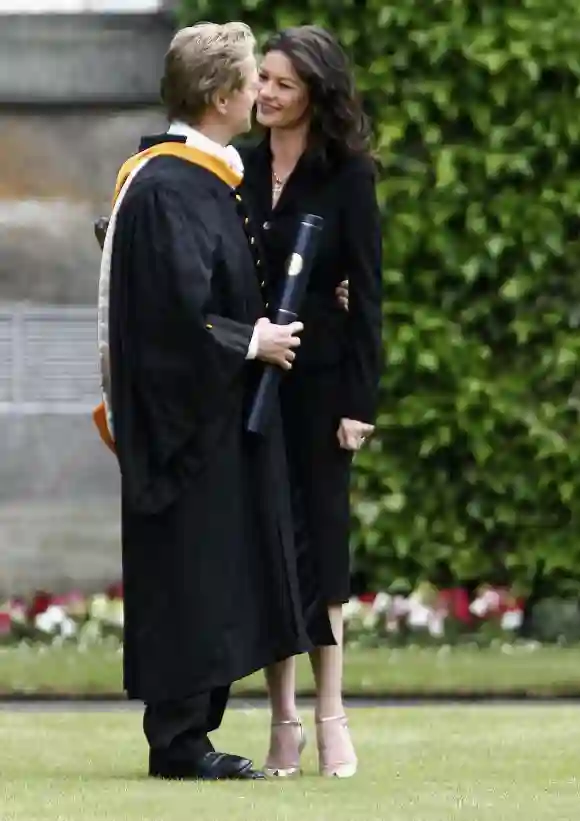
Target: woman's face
283, 99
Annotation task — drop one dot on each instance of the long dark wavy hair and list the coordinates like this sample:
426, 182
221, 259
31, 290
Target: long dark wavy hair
338, 123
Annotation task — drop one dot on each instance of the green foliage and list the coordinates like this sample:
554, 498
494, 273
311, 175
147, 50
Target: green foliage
474, 470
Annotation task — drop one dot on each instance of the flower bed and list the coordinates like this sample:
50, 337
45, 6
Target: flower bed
429, 616
73, 617
426, 616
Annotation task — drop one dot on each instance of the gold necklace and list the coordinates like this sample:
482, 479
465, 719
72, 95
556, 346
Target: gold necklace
277, 186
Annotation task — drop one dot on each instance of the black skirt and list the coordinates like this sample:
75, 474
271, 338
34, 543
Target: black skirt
320, 477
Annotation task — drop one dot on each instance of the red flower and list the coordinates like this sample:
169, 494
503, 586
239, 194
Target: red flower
456, 602
367, 598
115, 591
5, 624
40, 604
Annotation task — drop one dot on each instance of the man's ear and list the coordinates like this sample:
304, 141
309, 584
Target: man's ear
220, 102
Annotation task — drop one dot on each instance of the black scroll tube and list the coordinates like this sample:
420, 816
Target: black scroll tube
297, 274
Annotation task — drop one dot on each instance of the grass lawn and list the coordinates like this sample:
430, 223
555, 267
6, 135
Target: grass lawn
412, 671
416, 764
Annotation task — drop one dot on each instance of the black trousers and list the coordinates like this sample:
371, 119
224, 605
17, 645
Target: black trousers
178, 730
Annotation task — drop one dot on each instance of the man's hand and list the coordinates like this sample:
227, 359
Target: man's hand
100, 228
276, 343
352, 434
342, 294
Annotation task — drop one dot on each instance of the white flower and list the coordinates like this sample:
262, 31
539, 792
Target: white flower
419, 615
478, 607
381, 603
17, 612
116, 613
51, 619
512, 620
488, 602
107, 611
436, 624
68, 628
352, 608
370, 619
98, 607
400, 606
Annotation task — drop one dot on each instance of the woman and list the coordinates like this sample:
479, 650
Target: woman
315, 158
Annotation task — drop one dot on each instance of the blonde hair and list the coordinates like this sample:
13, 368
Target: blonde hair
202, 60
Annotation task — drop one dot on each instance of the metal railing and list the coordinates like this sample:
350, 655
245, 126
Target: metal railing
48, 360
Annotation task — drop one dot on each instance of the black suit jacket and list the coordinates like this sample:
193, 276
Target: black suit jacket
343, 193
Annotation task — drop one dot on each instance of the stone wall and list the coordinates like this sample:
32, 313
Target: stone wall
76, 93
58, 174
82, 59
59, 506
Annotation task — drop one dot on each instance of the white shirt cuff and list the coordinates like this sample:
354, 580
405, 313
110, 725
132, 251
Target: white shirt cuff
253, 346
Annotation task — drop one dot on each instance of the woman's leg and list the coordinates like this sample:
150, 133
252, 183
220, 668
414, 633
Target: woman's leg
327, 665
336, 751
286, 735
281, 684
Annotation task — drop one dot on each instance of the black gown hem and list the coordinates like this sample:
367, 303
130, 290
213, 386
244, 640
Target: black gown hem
146, 695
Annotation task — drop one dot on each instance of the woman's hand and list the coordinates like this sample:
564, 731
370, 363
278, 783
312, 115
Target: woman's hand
342, 294
352, 434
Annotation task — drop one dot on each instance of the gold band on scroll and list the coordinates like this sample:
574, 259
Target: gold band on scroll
295, 266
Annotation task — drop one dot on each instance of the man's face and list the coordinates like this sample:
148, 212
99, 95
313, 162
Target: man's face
241, 102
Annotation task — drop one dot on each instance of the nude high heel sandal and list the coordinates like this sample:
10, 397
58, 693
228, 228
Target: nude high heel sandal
287, 769
327, 767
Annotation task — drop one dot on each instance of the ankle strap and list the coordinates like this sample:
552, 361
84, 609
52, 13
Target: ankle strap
324, 719
293, 722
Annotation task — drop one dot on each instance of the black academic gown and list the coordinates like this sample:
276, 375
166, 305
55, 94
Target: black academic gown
210, 582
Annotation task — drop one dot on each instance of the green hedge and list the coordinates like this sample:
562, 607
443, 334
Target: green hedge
474, 472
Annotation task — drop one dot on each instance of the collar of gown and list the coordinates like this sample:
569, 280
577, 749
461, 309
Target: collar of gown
196, 139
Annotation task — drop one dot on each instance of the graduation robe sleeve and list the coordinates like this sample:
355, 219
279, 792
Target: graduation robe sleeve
363, 261
176, 362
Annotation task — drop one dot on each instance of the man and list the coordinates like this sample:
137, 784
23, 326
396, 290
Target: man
210, 583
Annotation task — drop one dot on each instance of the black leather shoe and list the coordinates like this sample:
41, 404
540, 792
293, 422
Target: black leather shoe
212, 766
